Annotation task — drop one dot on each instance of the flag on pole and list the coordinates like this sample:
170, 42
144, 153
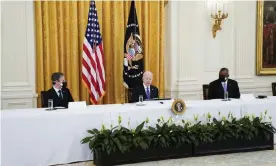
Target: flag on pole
129, 57
93, 73
133, 51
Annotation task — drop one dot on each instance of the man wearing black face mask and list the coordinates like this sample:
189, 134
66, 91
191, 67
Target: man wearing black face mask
218, 87
59, 93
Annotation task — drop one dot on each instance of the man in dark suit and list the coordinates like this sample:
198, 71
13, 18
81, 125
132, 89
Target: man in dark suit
59, 93
147, 90
218, 87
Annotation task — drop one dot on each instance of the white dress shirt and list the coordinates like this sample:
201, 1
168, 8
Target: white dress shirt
145, 87
57, 91
224, 83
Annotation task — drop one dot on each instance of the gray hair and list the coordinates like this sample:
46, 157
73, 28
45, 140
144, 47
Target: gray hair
147, 73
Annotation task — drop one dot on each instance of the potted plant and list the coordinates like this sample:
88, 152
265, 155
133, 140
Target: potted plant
167, 139
120, 145
236, 135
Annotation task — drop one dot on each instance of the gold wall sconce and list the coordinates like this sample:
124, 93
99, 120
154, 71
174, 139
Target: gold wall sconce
218, 12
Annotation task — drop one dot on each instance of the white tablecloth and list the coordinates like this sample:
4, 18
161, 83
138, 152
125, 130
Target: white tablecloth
261, 105
35, 137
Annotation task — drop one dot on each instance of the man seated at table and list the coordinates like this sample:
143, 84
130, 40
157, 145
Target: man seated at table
59, 93
147, 90
223, 84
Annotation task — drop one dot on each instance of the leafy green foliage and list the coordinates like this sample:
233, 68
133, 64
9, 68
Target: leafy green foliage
201, 133
166, 133
141, 138
263, 128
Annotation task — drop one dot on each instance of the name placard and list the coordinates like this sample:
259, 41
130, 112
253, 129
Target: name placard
78, 104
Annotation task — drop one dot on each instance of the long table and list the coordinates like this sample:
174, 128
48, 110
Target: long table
35, 137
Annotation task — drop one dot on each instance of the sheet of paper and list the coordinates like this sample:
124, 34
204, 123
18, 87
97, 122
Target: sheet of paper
79, 104
247, 97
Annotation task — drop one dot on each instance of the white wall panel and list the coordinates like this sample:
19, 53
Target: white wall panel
195, 57
17, 55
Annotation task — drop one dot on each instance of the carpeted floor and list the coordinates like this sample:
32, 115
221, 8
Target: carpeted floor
260, 158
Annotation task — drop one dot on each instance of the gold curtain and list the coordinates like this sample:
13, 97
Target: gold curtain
60, 28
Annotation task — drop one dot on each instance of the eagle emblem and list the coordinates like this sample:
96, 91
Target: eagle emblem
134, 50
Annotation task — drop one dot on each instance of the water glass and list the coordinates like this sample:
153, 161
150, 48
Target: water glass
141, 98
50, 104
225, 95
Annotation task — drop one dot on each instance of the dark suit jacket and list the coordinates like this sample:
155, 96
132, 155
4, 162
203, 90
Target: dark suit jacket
216, 90
140, 90
52, 94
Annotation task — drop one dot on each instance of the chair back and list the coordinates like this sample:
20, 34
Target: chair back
205, 88
44, 98
129, 95
273, 88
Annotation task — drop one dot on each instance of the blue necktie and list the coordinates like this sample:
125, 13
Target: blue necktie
148, 93
225, 86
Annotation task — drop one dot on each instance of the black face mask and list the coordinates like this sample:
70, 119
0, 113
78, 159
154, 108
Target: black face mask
64, 84
222, 78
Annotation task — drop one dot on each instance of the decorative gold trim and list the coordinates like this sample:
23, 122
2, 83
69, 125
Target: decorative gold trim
259, 50
182, 108
217, 22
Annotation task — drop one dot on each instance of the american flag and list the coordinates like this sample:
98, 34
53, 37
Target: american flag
93, 74
129, 57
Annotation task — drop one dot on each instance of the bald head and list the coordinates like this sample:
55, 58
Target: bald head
147, 78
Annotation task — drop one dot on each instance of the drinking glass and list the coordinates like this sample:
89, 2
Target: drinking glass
50, 104
141, 98
225, 95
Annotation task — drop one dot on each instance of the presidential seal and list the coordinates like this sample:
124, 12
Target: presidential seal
133, 61
134, 50
178, 107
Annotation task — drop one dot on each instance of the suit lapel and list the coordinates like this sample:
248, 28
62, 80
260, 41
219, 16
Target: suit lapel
54, 93
63, 93
144, 92
151, 92
221, 87
229, 85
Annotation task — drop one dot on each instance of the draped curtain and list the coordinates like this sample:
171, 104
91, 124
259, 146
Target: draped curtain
60, 28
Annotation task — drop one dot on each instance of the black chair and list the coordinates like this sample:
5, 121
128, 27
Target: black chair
129, 95
273, 88
205, 88
44, 98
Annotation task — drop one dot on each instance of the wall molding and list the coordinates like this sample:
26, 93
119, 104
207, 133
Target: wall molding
186, 82
17, 104
21, 96
18, 84
16, 90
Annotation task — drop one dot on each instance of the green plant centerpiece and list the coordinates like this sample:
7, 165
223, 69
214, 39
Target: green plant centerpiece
166, 134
